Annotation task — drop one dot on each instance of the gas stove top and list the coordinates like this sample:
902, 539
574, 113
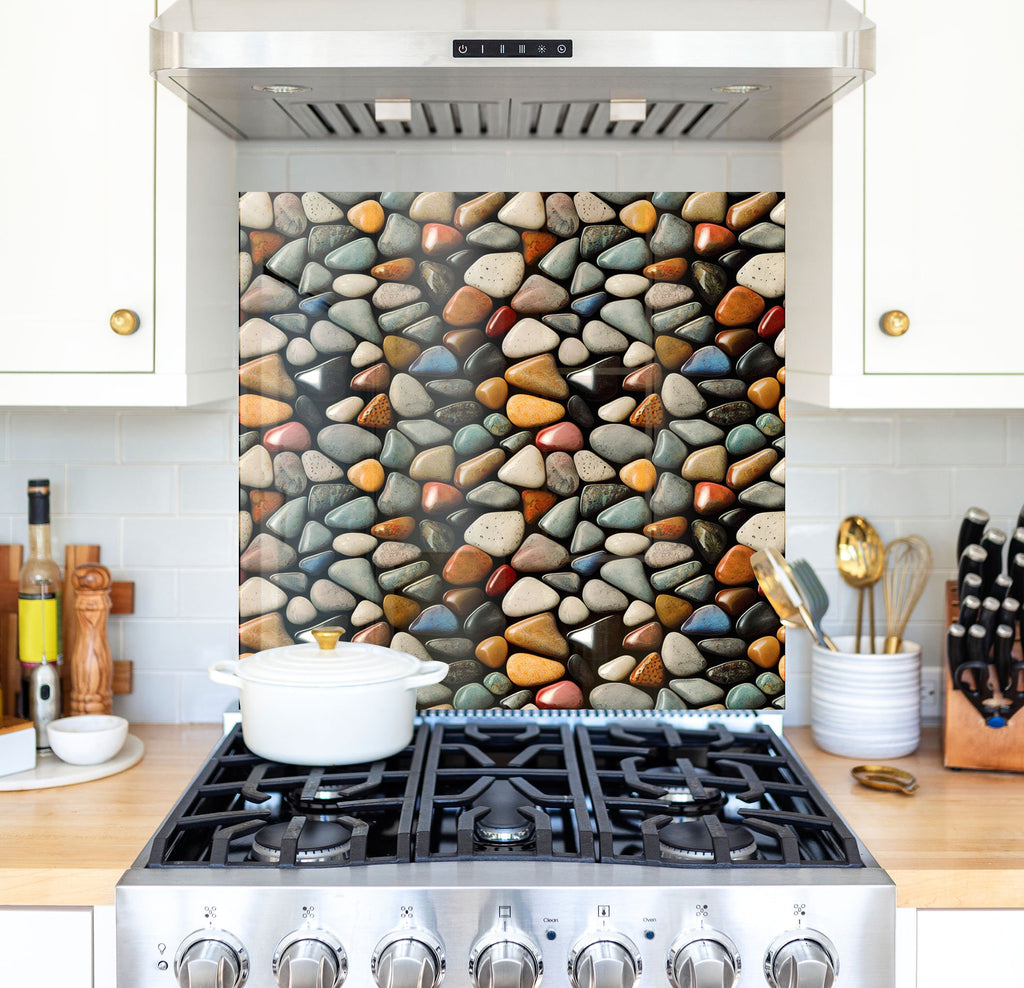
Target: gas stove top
597, 845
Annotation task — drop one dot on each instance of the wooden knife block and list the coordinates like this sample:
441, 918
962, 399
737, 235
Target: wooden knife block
967, 741
122, 597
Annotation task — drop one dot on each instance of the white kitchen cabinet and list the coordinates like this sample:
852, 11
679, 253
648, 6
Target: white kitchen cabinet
911, 182
968, 947
104, 210
47, 947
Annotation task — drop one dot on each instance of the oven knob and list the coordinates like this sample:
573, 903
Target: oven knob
311, 959
801, 959
605, 961
709, 960
505, 964
211, 959
413, 959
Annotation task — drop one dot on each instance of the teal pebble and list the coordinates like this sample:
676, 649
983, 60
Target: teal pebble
473, 696
497, 683
745, 696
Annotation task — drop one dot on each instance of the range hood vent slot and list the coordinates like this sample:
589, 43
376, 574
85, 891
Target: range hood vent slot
576, 119
355, 120
450, 119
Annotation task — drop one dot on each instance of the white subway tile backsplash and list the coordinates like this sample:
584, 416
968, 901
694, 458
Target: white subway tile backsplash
204, 490
62, 436
178, 541
207, 593
945, 439
897, 493
156, 592
813, 437
155, 698
999, 490
811, 492
202, 700
185, 436
119, 489
14, 478
162, 646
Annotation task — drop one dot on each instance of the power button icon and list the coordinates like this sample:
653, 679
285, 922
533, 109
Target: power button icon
463, 49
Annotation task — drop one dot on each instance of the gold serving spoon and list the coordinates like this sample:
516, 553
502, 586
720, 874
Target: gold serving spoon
860, 558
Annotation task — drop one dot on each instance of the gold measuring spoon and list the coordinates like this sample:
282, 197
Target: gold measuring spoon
886, 778
860, 558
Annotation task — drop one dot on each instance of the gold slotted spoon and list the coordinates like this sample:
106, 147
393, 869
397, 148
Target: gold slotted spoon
860, 558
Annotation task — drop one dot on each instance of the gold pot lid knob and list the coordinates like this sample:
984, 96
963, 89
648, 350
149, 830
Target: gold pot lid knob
895, 322
124, 322
327, 638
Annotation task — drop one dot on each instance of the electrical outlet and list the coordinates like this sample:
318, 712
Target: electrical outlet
931, 694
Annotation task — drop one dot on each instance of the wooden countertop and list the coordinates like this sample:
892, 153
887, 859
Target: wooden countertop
957, 843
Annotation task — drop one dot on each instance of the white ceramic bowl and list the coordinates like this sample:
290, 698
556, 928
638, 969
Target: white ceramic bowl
88, 739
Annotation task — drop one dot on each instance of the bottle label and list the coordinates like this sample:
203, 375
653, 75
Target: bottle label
39, 629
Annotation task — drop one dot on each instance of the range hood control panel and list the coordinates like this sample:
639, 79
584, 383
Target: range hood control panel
512, 48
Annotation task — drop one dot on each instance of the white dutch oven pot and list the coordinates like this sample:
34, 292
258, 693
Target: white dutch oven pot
327, 703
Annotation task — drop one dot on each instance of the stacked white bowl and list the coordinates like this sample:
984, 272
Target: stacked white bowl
866, 705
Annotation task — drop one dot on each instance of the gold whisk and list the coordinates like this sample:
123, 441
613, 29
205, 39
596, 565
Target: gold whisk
908, 564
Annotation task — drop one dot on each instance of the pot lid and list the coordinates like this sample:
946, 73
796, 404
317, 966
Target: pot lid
327, 662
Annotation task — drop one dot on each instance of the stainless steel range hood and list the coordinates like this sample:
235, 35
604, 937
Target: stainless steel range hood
403, 69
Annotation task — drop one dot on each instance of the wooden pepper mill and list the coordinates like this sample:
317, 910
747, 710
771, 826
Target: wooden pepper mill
92, 670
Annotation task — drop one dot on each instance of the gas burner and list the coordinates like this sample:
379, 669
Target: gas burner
326, 803
502, 824
683, 802
319, 842
691, 841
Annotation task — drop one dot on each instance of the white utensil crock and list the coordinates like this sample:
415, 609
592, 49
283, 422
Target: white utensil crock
311, 705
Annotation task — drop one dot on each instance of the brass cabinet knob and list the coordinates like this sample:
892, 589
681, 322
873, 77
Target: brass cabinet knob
124, 322
895, 323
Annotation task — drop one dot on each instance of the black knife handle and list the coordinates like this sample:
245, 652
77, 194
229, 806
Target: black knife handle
1000, 587
1002, 660
970, 608
956, 650
977, 660
989, 618
1017, 575
973, 524
1016, 545
971, 586
972, 560
1010, 611
992, 542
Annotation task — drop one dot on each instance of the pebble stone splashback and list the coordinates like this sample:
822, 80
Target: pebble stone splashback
535, 435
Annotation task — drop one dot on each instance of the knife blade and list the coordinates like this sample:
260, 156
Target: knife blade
992, 542
971, 527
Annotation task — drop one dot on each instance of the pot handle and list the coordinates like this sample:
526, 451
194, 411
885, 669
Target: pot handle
224, 672
429, 672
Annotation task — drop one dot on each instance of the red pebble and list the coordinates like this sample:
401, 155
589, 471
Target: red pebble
563, 695
501, 579
501, 322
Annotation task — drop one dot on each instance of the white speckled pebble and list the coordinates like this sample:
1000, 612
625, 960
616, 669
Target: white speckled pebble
626, 285
259, 596
626, 543
366, 612
255, 468
244, 270
778, 213
258, 337
638, 612
778, 472
256, 211
638, 354
320, 469
525, 469
498, 533
300, 352
300, 610
617, 410
591, 209
354, 285
366, 354
764, 274
345, 410
527, 338
528, 596
572, 610
524, 210
244, 530
766, 529
497, 275
319, 209
355, 544
616, 670
780, 345
591, 468
572, 352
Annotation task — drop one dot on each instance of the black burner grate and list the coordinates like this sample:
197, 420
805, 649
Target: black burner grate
512, 788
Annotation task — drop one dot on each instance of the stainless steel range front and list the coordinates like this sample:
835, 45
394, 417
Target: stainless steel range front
597, 850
